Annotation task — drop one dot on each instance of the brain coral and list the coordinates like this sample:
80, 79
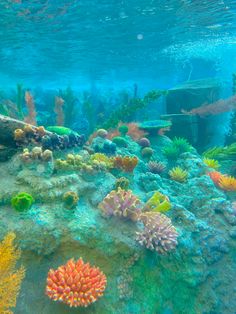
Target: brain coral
76, 283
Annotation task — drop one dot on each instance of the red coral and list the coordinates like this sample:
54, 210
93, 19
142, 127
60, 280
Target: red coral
76, 283
215, 177
219, 106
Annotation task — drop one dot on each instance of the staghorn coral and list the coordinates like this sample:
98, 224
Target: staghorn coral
121, 203
29, 100
227, 183
156, 167
76, 283
125, 163
211, 163
10, 277
158, 203
158, 234
178, 174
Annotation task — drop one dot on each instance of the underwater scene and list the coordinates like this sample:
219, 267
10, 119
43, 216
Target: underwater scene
118, 157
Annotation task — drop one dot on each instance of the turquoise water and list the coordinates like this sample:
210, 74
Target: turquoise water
117, 149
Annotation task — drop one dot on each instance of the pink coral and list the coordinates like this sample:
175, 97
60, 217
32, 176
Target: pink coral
158, 234
121, 203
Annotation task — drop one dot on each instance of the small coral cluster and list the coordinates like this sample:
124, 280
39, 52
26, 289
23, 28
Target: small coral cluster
36, 153
178, 174
121, 203
76, 283
125, 163
48, 140
22, 201
158, 234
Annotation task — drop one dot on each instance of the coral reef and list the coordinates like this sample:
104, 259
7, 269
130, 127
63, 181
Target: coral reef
158, 234
10, 276
76, 283
121, 203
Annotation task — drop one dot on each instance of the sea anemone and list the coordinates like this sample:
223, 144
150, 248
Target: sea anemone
171, 152
211, 163
182, 144
76, 283
156, 167
178, 174
227, 183
158, 234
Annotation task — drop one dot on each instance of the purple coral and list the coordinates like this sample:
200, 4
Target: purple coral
144, 142
121, 203
158, 234
156, 167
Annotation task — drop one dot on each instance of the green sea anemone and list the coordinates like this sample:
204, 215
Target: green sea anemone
182, 144
178, 174
211, 163
171, 152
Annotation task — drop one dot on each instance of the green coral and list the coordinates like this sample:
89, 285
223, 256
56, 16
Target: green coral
182, 144
130, 106
123, 129
222, 153
119, 141
171, 152
22, 201
60, 130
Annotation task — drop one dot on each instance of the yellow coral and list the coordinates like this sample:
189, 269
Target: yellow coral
227, 183
178, 174
10, 277
211, 163
102, 158
158, 203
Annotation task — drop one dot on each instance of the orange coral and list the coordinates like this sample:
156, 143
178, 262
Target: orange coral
76, 283
227, 183
58, 109
215, 177
125, 163
10, 277
31, 118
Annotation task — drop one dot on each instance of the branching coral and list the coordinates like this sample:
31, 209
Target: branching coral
58, 109
211, 163
158, 234
29, 100
178, 174
10, 277
76, 283
121, 203
219, 106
